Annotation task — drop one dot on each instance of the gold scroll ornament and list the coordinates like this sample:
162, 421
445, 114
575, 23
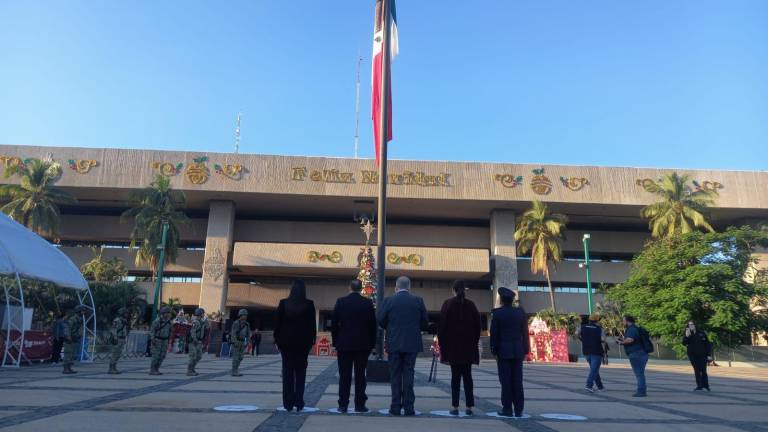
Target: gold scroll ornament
232, 171
508, 180
197, 172
11, 161
167, 169
82, 166
574, 183
412, 259
315, 256
541, 184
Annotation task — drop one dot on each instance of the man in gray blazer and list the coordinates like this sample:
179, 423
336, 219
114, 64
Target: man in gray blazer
403, 316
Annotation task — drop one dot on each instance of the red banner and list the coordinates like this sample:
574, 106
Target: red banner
38, 345
550, 346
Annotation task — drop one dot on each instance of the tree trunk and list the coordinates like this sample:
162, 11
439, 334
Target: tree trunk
551, 293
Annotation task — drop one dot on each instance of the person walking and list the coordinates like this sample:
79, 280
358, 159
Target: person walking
73, 338
239, 334
634, 347
58, 337
404, 317
458, 335
510, 344
196, 339
592, 339
353, 331
119, 335
699, 353
253, 344
295, 334
160, 331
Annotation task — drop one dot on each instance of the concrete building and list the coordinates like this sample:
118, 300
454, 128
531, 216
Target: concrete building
258, 221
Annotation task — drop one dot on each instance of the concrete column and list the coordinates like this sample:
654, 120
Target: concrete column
218, 247
503, 251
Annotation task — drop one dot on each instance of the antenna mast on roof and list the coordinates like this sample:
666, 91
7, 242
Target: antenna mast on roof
237, 134
357, 106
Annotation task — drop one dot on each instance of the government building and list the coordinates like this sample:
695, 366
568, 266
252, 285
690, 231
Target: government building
258, 221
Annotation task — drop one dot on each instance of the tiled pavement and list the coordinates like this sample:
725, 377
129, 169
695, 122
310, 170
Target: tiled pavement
41, 398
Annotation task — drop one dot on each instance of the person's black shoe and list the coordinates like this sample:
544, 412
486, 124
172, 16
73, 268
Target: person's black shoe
519, 415
343, 410
639, 395
505, 413
469, 412
698, 389
362, 410
454, 412
393, 412
707, 388
409, 413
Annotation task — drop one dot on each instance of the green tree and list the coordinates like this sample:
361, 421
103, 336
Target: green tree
109, 297
100, 270
541, 233
611, 319
35, 201
680, 209
151, 207
697, 276
557, 321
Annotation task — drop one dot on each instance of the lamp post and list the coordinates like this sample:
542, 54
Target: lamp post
160, 265
586, 266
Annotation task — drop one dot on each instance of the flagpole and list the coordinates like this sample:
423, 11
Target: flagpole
382, 201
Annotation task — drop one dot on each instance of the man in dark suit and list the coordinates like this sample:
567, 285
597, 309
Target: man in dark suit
403, 316
510, 345
354, 336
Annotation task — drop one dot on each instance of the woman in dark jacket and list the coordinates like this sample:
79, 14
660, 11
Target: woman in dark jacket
458, 335
295, 334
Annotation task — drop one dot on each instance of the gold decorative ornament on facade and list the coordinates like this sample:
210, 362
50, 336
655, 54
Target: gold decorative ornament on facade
574, 183
167, 169
540, 184
231, 171
412, 259
197, 172
708, 185
11, 161
508, 180
334, 257
82, 166
215, 265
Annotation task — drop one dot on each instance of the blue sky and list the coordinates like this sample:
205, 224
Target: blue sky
652, 83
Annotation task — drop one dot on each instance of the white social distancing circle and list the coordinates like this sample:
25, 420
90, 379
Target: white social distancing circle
236, 408
571, 417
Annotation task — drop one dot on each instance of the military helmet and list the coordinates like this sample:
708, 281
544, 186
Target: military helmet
165, 309
243, 312
199, 312
122, 311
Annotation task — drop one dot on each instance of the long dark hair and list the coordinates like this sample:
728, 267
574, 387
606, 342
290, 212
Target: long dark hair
297, 299
459, 288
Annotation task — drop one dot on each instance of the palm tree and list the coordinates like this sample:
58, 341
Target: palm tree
35, 201
541, 233
99, 269
680, 210
153, 206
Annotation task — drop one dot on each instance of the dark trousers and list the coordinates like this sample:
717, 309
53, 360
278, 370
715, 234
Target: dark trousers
401, 372
459, 373
699, 364
511, 379
349, 361
58, 344
294, 377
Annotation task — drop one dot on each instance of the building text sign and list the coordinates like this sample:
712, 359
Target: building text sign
405, 178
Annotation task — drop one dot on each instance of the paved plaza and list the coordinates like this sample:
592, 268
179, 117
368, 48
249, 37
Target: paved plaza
41, 398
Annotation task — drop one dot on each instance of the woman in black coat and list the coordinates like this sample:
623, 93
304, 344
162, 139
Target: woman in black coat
458, 335
295, 334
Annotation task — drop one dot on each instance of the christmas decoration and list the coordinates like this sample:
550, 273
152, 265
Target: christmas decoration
367, 274
413, 259
198, 172
82, 166
333, 257
167, 169
707, 185
574, 183
508, 180
234, 172
540, 183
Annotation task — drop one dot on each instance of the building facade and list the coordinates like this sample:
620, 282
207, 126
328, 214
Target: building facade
257, 222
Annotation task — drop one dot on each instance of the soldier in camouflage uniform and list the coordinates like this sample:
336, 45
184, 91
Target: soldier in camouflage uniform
119, 335
73, 337
160, 331
239, 335
196, 338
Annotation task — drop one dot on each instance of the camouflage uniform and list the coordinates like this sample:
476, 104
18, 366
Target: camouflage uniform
73, 339
239, 335
160, 332
196, 339
119, 335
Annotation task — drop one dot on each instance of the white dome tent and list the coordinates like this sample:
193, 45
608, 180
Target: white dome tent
24, 254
